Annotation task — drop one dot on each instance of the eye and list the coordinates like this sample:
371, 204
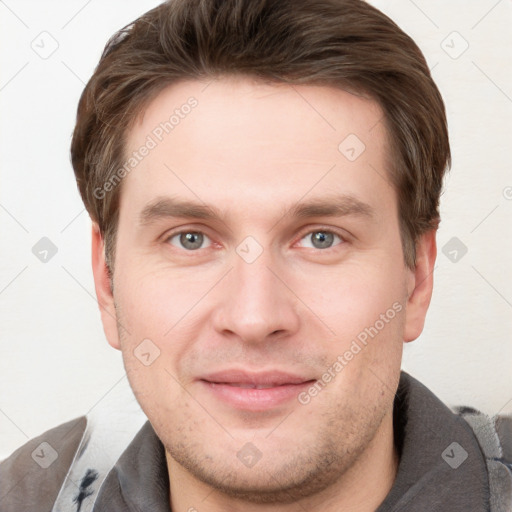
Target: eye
321, 239
189, 240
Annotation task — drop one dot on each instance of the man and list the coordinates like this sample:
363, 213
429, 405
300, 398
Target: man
263, 180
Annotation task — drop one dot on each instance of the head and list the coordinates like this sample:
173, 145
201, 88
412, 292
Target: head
263, 180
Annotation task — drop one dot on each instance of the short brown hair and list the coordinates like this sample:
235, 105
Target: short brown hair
346, 44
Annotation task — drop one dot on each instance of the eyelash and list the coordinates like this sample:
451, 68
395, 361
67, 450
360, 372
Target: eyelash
341, 236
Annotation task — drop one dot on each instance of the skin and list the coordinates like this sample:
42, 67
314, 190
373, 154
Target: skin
252, 151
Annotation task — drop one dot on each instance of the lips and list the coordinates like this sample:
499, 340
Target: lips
245, 385
259, 380
255, 391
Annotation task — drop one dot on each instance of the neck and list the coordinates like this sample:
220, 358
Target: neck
362, 488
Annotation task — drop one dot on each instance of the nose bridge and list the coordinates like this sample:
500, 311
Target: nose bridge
256, 302
255, 283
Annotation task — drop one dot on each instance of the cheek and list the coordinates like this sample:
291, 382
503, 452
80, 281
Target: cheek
161, 310
365, 308
353, 296
155, 301
155, 387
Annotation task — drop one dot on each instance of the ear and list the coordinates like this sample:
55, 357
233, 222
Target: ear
102, 285
419, 285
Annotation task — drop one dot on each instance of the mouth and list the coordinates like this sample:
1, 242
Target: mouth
255, 391
245, 385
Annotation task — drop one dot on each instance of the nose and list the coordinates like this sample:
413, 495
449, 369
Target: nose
256, 305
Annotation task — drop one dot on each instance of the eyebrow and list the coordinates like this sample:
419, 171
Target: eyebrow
329, 206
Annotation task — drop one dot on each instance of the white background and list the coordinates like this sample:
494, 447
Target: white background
55, 363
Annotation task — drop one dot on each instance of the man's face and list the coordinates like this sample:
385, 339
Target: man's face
231, 324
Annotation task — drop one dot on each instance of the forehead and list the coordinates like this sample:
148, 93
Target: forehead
235, 138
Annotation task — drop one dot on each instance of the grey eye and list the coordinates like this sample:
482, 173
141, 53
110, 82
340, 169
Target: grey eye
321, 239
190, 240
